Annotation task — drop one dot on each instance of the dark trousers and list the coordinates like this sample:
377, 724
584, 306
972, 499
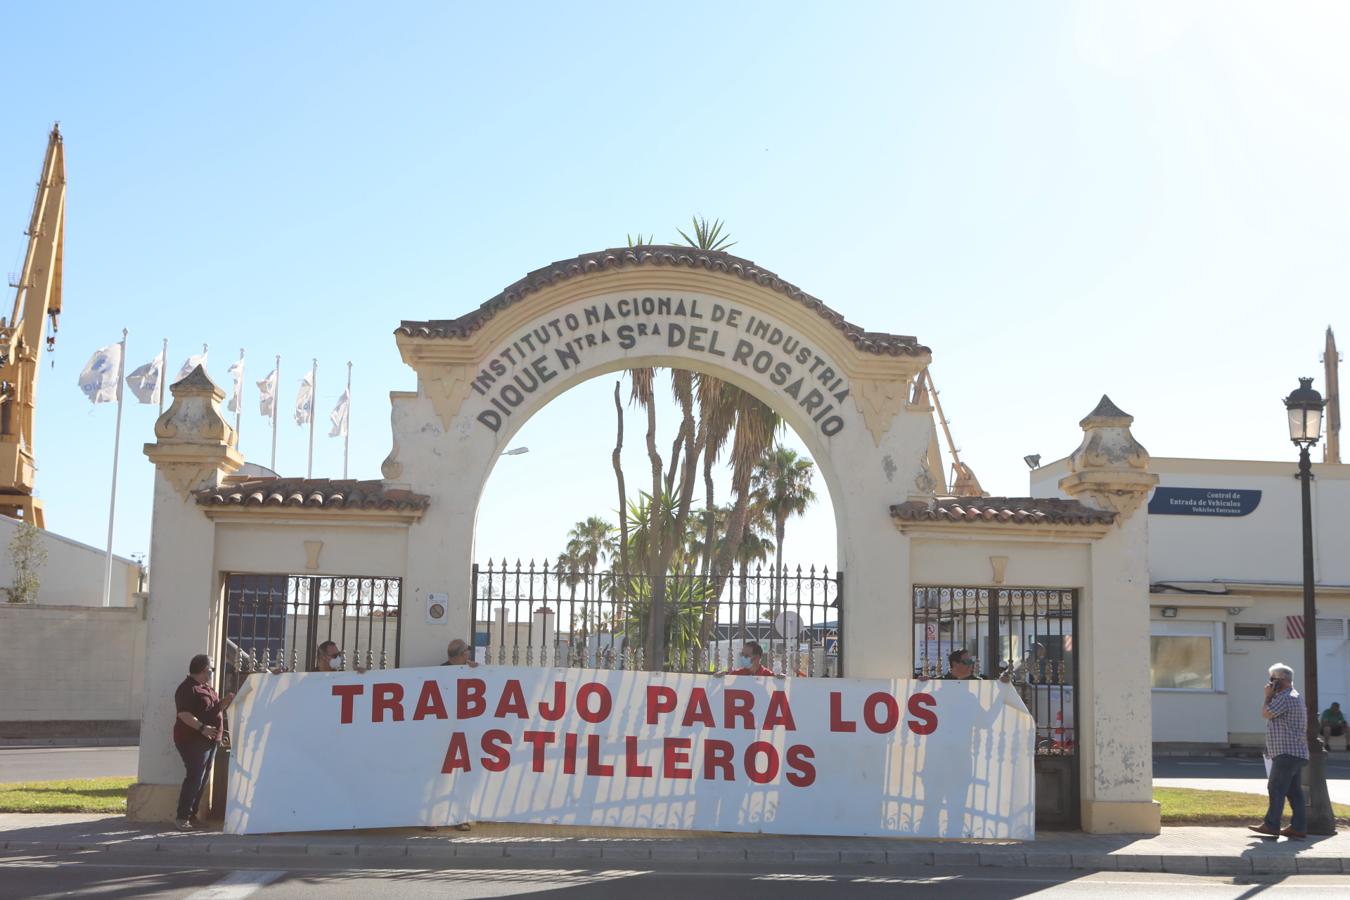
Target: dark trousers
1285, 782
197, 760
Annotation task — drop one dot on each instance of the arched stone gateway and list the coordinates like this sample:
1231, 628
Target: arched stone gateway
923, 572
842, 389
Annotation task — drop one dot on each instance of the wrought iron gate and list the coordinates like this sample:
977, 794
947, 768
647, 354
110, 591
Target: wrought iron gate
275, 623
1028, 632
536, 615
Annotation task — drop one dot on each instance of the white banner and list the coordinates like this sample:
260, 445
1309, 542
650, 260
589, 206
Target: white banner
437, 746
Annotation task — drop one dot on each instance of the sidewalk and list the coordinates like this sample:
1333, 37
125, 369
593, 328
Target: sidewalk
1192, 850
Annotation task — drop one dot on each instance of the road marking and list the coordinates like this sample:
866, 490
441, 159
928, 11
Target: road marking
237, 885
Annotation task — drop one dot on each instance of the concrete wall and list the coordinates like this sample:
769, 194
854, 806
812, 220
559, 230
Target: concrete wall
73, 573
70, 664
1190, 717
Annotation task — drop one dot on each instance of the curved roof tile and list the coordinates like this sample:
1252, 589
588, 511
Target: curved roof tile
325, 493
1010, 510
876, 342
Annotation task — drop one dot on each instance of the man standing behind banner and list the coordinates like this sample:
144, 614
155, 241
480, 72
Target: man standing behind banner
197, 731
750, 662
459, 653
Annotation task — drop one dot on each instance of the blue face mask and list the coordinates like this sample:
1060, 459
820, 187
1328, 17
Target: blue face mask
743, 661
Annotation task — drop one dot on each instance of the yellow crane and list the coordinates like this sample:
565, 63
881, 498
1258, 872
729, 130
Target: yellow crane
37, 297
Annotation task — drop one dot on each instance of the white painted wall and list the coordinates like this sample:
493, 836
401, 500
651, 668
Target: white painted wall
1258, 559
71, 663
73, 573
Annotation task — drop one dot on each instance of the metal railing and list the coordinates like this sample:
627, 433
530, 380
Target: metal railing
541, 615
275, 623
1025, 632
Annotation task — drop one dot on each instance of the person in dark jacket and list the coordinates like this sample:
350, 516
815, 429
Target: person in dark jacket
197, 732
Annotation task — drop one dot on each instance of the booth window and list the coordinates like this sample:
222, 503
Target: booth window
1182, 656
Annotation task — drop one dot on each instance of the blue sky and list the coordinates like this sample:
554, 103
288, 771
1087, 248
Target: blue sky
1149, 200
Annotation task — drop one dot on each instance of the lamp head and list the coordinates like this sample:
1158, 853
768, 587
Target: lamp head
1305, 414
1033, 460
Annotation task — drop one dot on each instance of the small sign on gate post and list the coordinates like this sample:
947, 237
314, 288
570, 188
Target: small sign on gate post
438, 608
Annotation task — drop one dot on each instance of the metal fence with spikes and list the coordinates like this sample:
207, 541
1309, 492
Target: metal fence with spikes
535, 614
275, 623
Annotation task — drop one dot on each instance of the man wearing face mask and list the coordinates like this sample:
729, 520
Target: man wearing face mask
197, 732
1287, 750
751, 662
330, 658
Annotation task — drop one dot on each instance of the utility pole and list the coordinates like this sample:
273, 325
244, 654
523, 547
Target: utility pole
1331, 361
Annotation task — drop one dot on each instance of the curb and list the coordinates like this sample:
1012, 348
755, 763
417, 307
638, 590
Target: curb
573, 852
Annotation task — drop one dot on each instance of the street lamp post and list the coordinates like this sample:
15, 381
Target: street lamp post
1305, 428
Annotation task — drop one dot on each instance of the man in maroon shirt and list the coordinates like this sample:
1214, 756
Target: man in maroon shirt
751, 662
197, 731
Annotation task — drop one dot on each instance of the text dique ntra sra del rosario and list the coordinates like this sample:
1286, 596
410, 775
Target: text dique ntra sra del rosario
739, 339
605, 756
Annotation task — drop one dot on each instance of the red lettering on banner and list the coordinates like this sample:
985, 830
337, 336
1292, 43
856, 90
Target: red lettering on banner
593, 764
878, 725
348, 693
559, 708
800, 771
717, 756
923, 707
430, 703
779, 713
660, 699
738, 704
512, 701
630, 753
676, 758
601, 713
469, 702
538, 739
570, 753
698, 710
837, 721
495, 742
456, 755
386, 697
770, 770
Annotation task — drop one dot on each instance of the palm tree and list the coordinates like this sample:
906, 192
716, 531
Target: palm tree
782, 486
590, 543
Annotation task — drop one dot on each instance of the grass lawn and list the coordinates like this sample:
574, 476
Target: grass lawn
1184, 806
86, 795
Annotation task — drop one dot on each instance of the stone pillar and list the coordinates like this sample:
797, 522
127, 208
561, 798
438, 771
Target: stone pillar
194, 448
1109, 470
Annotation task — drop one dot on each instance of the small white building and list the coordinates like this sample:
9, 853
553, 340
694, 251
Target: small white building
1226, 589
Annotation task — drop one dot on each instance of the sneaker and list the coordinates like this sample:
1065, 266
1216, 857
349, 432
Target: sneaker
1264, 829
1291, 833
183, 825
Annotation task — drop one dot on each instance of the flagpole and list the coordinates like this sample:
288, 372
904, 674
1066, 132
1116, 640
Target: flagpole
238, 399
347, 431
112, 497
163, 376
276, 390
313, 392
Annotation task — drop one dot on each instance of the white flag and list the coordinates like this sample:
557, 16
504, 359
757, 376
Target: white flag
304, 401
101, 374
267, 389
147, 382
339, 416
191, 363
236, 372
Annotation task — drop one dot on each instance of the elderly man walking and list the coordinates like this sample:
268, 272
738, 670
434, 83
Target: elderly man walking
1287, 749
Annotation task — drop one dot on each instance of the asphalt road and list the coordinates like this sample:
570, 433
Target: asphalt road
284, 878
1244, 775
60, 763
